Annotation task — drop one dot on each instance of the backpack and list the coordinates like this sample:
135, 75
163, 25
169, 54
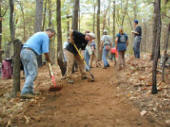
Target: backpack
122, 38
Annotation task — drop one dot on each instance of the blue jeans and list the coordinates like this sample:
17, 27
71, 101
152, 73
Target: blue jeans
29, 62
104, 56
136, 46
87, 59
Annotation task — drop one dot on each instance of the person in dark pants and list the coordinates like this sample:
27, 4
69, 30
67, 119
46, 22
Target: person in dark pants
137, 39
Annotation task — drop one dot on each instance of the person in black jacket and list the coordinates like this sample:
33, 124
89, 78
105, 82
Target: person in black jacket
80, 40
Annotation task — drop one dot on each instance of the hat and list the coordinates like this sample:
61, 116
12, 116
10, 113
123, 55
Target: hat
136, 21
91, 35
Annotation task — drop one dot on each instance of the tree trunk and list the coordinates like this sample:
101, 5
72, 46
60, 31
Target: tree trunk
49, 14
11, 21
114, 13
125, 12
75, 15
23, 16
135, 9
44, 16
165, 52
16, 67
60, 55
94, 15
98, 31
38, 24
157, 7
0, 33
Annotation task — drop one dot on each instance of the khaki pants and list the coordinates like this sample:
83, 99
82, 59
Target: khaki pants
121, 58
70, 61
92, 59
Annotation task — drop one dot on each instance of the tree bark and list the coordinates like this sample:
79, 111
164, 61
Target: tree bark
49, 14
23, 16
75, 15
135, 9
11, 21
94, 15
44, 15
16, 67
0, 33
165, 52
114, 13
60, 55
125, 12
157, 7
98, 31
38, 24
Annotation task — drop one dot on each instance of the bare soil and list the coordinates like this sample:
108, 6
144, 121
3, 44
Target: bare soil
103, 103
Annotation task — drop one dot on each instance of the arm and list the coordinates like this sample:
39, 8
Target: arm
134, 32
116, 41
47, 57
127, 42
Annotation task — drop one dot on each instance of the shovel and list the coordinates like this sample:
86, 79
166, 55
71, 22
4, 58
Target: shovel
54, 87
92, 76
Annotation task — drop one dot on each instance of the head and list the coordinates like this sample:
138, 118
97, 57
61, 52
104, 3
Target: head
90, 36
50, 32
121, 30
105, 32
136, 22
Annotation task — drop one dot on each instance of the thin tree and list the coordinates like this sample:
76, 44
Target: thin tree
114, 13
2, 14
75, 15
94, 15
98, 30
165, 52
44, 15
60, 55
38, 23
157, 19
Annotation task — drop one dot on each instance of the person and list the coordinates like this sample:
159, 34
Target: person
121, 45
88, 50
93, 57
137, 39
106, 42
64, 48
36, 45
80, 40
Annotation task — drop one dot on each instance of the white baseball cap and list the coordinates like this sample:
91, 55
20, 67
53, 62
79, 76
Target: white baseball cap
91, 35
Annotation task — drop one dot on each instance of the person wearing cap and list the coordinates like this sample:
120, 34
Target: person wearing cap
88, 53
81, 41
36, 45
106, 42
137, 39
121, 44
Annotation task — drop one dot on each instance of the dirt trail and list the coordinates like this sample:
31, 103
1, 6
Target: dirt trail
83, 104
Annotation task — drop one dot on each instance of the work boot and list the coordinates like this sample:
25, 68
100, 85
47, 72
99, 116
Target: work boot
84, 77
27, 96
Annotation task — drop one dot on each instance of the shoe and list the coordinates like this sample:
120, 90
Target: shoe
104, 67
108, 65
84, 77
27, 96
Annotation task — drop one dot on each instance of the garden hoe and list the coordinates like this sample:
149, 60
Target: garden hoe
54, 87
92, 77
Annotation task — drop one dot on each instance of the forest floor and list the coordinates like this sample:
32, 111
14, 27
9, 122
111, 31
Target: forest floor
116, 99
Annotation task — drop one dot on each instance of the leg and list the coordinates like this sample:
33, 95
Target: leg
119, 60
80, 63
29, 61
70, 62
123, 58
104, 57
87, 58
138, 47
